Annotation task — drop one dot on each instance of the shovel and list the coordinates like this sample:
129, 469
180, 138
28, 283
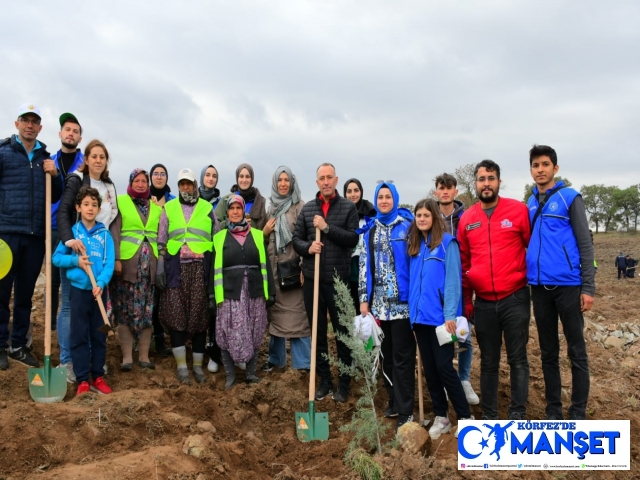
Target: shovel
46, 384
311, 425
106, 328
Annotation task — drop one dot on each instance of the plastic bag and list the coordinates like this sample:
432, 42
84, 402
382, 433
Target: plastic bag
461, 335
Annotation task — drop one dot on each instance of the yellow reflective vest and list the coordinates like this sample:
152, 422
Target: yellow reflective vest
196, 234
133, 230
218, 247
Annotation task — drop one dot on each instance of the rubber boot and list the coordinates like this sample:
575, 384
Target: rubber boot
251, 369
229, 369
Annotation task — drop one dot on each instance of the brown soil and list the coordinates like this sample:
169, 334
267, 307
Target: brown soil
139, 430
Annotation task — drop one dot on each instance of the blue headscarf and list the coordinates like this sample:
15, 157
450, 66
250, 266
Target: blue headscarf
387, 218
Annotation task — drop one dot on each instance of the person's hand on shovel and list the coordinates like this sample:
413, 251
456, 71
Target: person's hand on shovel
83, 262
97, 292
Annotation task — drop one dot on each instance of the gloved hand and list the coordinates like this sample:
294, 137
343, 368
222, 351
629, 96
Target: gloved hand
271, 302
213, 308
161, 277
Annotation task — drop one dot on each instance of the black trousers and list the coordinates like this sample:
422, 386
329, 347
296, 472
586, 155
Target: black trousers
399, 364
179, 339
549, 303
158, 328
212, 346
437, 362
326, 301
509, 316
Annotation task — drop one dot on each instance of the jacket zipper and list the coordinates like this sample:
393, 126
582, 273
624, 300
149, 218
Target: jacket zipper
31, 198
566, 254
493, 286
539, 243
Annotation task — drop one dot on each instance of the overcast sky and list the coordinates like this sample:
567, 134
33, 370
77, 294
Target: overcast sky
384, 90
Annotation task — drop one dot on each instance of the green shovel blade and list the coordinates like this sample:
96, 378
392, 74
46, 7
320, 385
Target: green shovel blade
46, 384
311, 425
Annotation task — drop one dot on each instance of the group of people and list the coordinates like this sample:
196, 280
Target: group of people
626, 266
216, 270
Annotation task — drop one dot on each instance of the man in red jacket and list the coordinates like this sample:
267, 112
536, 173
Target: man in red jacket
493, 236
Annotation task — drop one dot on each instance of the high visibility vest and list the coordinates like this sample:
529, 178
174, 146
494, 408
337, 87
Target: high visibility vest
133, 230
196, 234
218, 246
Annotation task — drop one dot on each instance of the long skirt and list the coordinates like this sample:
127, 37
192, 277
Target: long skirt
241, 324
184, 308
133, 302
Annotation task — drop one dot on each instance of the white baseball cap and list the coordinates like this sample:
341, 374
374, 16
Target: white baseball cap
186, 174
28, 108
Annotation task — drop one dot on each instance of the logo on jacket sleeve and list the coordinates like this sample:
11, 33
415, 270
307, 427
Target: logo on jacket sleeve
506, 223
471, 226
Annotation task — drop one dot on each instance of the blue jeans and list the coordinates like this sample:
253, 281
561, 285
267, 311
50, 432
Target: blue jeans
464, 359
64, 319
55, 282
300, 352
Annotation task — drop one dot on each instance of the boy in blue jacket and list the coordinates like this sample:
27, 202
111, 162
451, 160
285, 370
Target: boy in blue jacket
85, 313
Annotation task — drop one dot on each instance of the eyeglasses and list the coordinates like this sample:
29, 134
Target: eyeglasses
32, 121
487, 179
159, 174
384, 181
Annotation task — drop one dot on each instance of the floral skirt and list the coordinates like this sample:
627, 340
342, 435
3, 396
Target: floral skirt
133, 302
241, 324
184, 309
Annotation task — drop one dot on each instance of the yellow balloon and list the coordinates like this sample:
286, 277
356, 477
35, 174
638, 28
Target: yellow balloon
6, 258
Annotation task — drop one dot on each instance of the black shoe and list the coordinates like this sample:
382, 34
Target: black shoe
149, 365
390, 413
402, 419
576, 416
341, 395
555, 416
160, 347
4, 360
489, 417
126, 367
323, 391
23, 355
267, 367
517, 416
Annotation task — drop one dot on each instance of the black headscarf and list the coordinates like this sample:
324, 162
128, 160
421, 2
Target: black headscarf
250, 193
159, 192
365, 207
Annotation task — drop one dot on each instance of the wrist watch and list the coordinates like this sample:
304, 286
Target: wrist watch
326, 229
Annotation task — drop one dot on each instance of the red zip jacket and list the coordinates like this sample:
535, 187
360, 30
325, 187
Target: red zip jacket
493, 250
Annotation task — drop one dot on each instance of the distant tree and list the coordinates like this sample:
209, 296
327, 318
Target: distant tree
466, 184
528, 189
590, 194
627, 204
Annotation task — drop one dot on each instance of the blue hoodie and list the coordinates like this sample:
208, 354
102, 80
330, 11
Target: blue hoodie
101, 253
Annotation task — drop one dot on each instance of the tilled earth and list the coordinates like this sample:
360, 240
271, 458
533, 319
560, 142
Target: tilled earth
249, 432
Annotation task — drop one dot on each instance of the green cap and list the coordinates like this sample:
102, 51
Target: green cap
68, 116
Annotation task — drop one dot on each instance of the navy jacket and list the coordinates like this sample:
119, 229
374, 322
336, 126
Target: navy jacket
22, 189
77, 163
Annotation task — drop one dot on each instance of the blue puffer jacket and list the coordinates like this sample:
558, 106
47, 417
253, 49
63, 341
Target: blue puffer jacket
77, 163
22, 189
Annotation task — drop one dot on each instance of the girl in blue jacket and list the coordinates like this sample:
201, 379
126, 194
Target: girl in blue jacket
435, 298
85, 313
384, 292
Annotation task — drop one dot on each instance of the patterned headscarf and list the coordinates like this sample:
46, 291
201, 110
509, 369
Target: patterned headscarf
241, 226
139, 198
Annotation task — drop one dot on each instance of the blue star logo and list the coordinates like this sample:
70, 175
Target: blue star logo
484, 443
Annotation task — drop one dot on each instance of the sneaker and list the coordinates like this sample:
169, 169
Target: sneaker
440, 425
212, 366
83, 388
71, 377
4, 359
472, 398
241, 366
23, 355
390, 412
267, 367
470, 418
555, 416
106, 370
324, 390
517, 416
402, 419
577, 416
340, 396
99, 386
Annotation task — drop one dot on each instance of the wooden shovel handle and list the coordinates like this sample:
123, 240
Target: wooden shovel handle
99, 298
314, 326
47, 267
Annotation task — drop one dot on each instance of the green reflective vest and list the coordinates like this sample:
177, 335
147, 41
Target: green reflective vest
133, 230
196, 234
218, 247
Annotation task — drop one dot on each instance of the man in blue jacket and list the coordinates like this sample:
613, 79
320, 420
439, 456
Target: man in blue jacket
561, 273
24, 162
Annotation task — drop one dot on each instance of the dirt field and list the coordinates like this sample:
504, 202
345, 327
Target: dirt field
138, 432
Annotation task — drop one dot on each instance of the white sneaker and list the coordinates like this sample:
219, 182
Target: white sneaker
241, 366
440, 425
106, 370
472, 398
471, 418
71, 377
212, 366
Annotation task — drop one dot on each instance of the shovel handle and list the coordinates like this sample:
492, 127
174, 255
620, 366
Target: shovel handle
99, 298
314, 326
47, 267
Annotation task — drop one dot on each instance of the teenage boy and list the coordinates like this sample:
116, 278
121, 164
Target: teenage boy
85, 313
561, 273
493, 236
451, 211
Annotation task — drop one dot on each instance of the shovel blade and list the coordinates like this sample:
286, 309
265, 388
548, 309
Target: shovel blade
311, 425
46, 384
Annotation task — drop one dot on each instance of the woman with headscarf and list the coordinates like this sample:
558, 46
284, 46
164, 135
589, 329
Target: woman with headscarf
353, 191
287, 317
384, 292
187, 226
255, 204
209, 192
243, 288
160, 190
135, 237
